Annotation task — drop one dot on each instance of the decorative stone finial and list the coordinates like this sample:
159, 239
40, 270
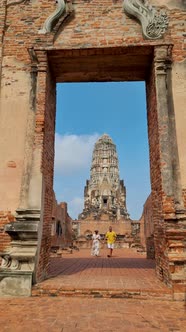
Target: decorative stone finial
154, 23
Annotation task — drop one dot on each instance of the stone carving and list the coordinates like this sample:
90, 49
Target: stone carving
5, 260
51, 20
154, 23
20, 255
9, 263
17, 270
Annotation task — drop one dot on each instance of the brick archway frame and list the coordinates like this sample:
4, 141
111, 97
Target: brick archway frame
26, 260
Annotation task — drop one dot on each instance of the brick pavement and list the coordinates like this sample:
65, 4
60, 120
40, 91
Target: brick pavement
65, 314
87, 314
127, 274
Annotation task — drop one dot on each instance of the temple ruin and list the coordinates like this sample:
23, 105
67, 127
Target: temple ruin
104, 193
104, 197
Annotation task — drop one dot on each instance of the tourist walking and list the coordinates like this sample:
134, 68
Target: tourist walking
95, 243
110, 236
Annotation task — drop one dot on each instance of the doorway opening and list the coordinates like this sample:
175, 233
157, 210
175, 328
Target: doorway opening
123, 65
115, 108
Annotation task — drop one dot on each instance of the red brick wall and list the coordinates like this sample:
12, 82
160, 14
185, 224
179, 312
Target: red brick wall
5, 218
2, 28
149, 224
122, 227
96, 24
147, 228
184, 197
142, 231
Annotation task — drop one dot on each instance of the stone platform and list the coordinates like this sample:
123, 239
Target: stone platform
121, 227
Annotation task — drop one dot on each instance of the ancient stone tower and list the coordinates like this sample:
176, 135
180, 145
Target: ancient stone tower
105, 193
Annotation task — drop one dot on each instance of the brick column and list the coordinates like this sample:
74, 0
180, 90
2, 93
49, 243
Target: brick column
44, 160
37, 186
171, 184
168, 212
26, 260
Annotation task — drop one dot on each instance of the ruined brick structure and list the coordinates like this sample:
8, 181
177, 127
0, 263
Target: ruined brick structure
147, 228
43, 42
104, 193
122, 227
61, 227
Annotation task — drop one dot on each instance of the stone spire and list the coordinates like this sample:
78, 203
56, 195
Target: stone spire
104, 194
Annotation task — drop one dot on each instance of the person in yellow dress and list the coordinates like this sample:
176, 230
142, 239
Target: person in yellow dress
110, 236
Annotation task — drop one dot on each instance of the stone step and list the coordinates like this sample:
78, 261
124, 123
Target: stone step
143, 294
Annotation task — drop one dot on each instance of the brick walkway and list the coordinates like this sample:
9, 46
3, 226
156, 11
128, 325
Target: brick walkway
78, 271
65, 314
126, 274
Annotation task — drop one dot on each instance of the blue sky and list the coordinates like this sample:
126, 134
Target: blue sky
85, 111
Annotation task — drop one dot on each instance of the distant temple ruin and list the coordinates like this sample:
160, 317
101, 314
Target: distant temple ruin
105, 193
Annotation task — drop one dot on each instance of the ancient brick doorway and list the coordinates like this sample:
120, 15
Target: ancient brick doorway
153, 65
147, 63
45, 42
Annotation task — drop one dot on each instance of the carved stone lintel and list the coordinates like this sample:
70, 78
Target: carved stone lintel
154, 23
54, 17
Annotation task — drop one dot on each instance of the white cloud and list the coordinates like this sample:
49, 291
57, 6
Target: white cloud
73, 152
75, 207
